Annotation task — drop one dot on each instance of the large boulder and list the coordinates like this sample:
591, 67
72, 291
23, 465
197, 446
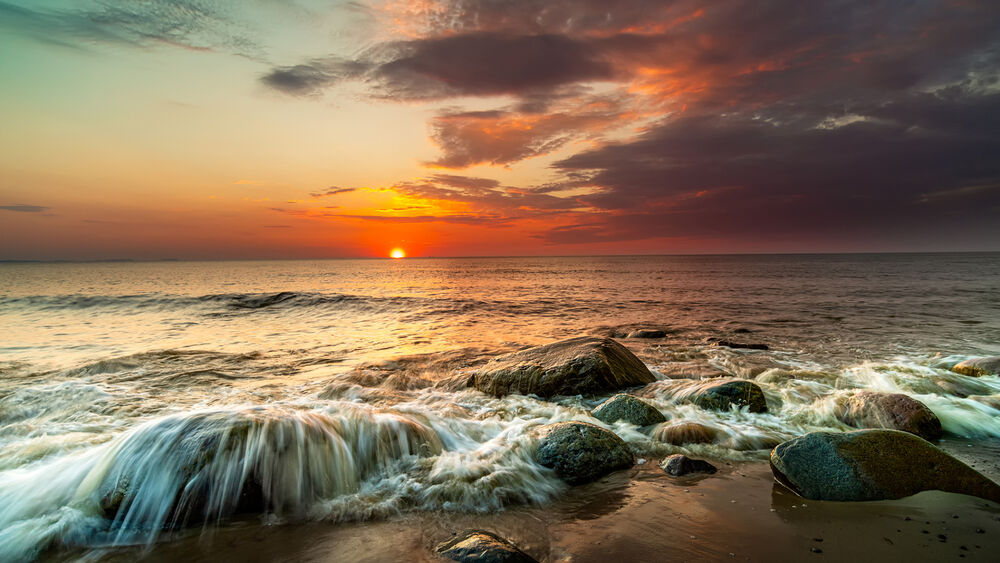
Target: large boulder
872, 465
578, 366
721, 395
580, 452
628, 408
895, 411
684, 432
978, 367
679, 464
477, 546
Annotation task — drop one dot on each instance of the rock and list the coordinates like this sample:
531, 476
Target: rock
737, 345
679, 464
978, 367
477, 546
578, 366
647, 333
895, 411
872, 465
681, 433
721, 395
628, 408
581, 452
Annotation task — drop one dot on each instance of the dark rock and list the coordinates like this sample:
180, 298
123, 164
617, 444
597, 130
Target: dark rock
895, 411
872, 465
679, 464
647, 333
581, 452
628, 408
578, 366
477, 546
721, 395
978, 367
742, 331
737, 345
681, 433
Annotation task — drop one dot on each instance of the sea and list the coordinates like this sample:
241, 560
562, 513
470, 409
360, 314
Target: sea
138, 399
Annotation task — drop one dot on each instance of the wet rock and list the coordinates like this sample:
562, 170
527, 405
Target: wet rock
978, 367
679, 464
872, 465
895, 411
628, 408
722, 395
477, 546
647, 333
681, 433
578, 366
580, 452
737, 345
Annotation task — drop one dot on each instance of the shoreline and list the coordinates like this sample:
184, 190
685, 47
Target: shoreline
640, 514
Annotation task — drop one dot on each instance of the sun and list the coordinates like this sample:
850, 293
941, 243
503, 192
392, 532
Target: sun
397, 253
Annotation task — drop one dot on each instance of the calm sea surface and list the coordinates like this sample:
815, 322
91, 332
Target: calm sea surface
115, 378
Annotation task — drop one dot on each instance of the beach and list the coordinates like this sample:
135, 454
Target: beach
138, 400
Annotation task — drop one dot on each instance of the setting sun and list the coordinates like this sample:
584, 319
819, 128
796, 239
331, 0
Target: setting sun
397, 253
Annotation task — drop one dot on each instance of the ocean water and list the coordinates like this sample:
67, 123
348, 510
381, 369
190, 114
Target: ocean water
136, 395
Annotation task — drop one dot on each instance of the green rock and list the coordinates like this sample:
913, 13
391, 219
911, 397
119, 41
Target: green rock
628, 408
580, 452
578, 366
720, 396
872, 465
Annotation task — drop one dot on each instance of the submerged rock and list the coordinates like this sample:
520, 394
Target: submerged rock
978, 367
647, 333
895, 411
628, 408
722, 395
685, 432
580, 452
737, 345
872, 465
477, 546
578, 366
679, 464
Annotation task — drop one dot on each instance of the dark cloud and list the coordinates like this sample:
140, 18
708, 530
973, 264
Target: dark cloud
770, 120
310, 78
333, 190
23, 208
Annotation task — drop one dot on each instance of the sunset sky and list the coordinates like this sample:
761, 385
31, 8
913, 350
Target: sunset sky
293, 129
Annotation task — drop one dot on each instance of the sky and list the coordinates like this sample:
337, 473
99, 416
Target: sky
202, 129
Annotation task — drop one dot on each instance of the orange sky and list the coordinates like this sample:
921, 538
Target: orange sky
319, 129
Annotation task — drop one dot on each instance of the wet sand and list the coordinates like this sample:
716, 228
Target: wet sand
635, 515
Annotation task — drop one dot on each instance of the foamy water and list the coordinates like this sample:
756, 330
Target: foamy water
136, 398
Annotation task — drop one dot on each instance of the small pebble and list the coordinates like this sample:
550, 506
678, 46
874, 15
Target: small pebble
980, 531
817, 539
815, 550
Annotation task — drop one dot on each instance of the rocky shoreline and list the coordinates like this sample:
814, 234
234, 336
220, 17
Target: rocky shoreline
890, 455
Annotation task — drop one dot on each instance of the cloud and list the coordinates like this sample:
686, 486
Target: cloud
23, 208
311, 78
193, 24
767, 120
333, 190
